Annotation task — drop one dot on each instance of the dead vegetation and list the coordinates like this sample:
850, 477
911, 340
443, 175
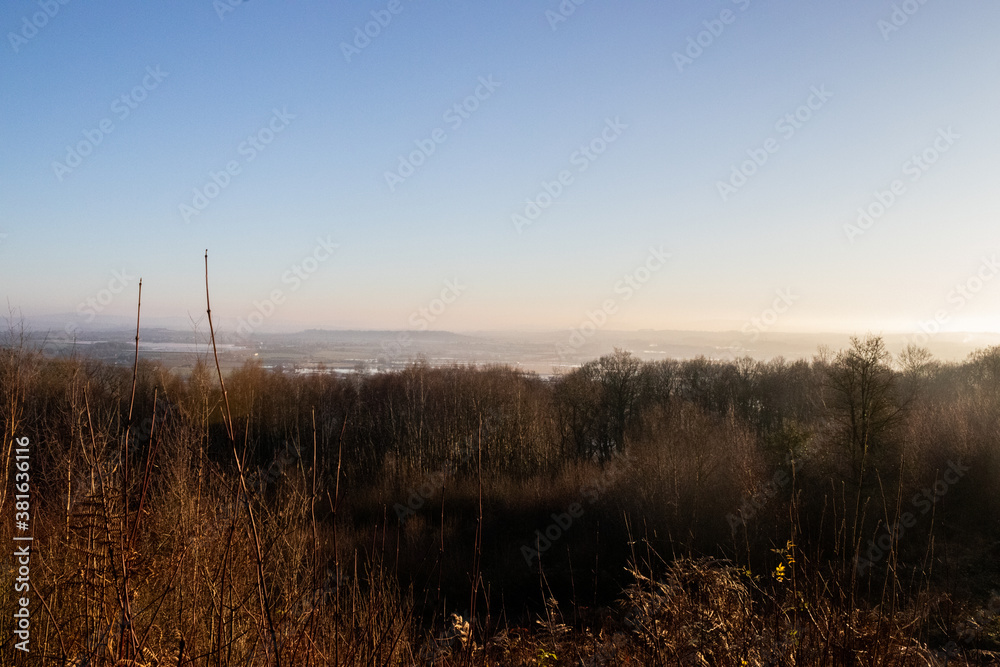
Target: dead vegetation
719, 512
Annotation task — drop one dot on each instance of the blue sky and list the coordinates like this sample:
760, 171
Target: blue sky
329, 127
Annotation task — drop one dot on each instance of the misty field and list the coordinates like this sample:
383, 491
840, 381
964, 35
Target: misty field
838, 511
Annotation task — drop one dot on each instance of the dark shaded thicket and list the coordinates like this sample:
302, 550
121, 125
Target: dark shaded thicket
844, 510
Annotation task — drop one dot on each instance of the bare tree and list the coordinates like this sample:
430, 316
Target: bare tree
864, 399
618, 375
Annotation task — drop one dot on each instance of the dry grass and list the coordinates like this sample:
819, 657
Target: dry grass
186, 560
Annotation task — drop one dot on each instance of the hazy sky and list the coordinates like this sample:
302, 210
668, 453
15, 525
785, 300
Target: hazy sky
136, 136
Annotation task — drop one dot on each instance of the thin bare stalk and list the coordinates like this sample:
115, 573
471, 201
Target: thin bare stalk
125, 543
261, 582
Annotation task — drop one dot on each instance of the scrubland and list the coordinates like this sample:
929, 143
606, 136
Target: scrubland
838, 511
